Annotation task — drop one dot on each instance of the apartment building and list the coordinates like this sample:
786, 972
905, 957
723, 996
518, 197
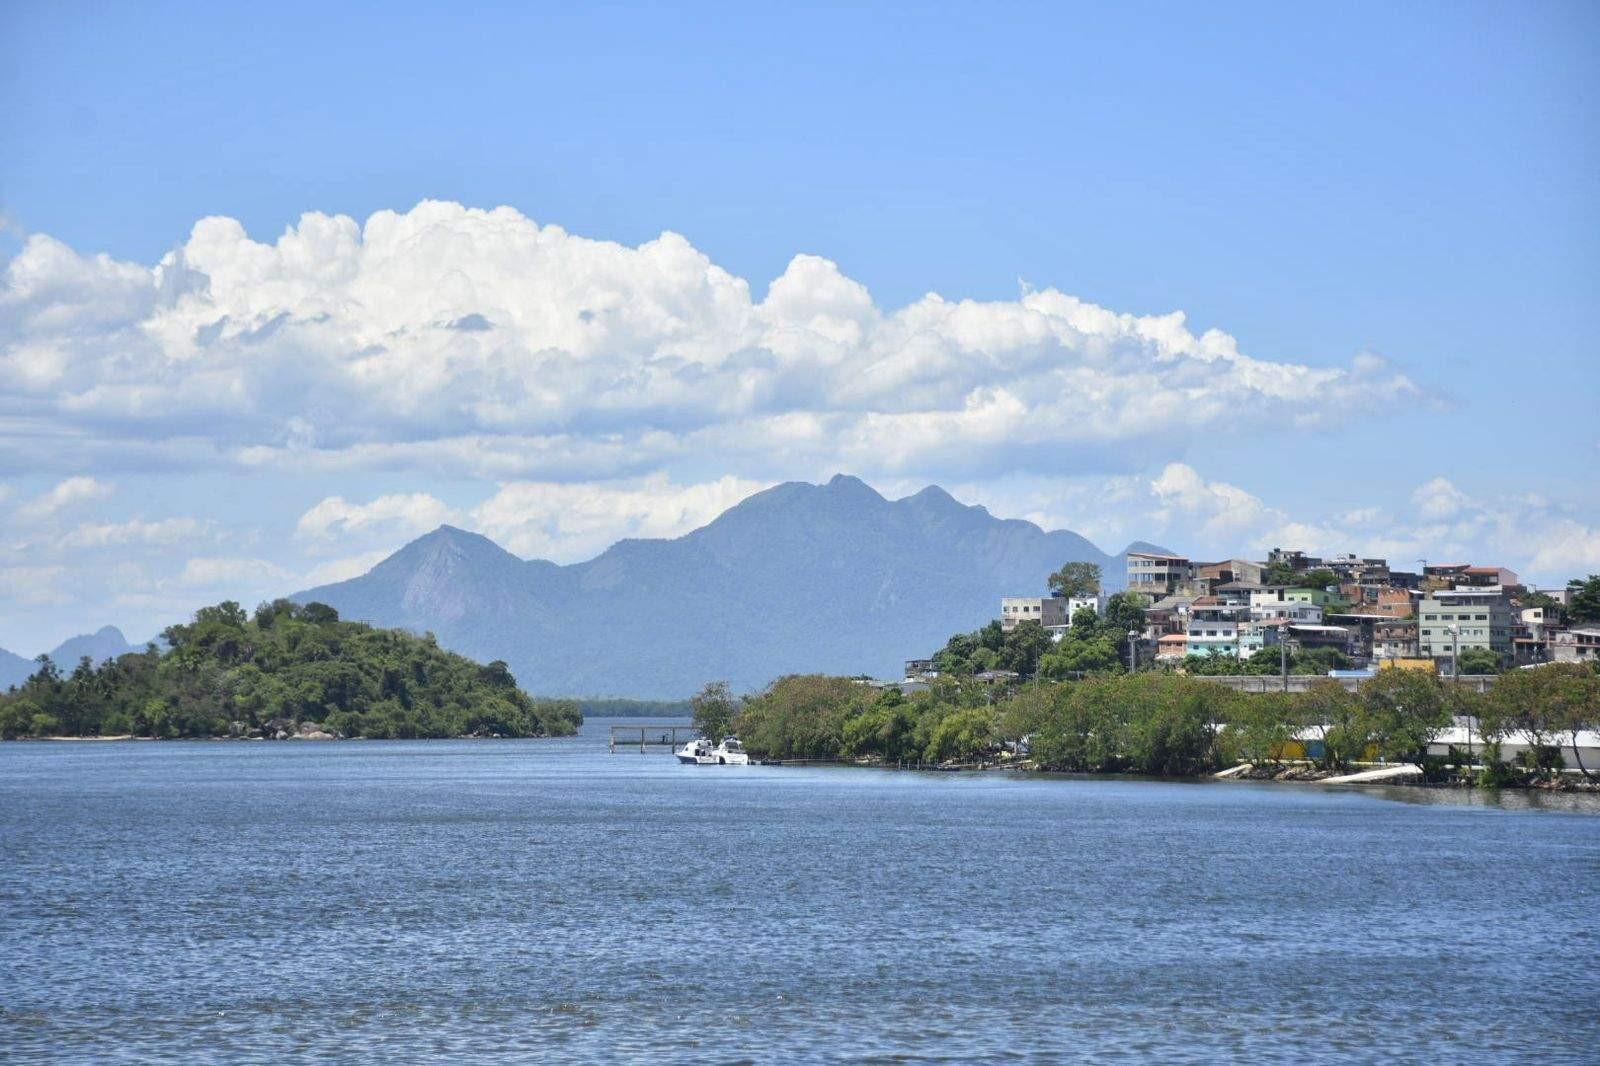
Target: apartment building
1395, 639
1152, 575
1048, 611
1482, 618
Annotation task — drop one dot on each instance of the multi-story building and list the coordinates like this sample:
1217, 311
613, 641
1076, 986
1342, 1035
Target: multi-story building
1443, 575
1229, 571
1293, 558
1153, 575
1214, 636
1394, 638
1479, 618
1238, 592
1404, 579
1580, 644
1095, 603
1048, 611
1271, 605
1353, 569
1327, 599
1169, 614
1377, 599
1309, 636
1253, 636
1487, 577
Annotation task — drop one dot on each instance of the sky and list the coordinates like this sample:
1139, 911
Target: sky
283, 287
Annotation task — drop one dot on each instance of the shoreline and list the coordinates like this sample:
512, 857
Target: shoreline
1283, 774
314, 738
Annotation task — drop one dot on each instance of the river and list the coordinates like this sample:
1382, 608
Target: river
546, 901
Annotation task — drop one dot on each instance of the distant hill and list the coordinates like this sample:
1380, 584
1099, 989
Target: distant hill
105, 643
798, 578
14, 669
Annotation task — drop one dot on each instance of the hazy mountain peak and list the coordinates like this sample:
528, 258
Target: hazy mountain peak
851, 485
107, 642
936, 500
800, 577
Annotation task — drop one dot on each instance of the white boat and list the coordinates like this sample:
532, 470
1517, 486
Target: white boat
695, 752
700, 753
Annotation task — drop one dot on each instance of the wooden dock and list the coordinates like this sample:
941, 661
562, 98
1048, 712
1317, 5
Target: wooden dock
649, 735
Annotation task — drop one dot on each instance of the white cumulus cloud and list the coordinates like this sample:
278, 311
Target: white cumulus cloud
231, 575
65, 494
343, 568
134, 531
568, 522
484, 339
403, 513
32, 584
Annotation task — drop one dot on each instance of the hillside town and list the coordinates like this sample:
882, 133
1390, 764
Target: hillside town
1448, 617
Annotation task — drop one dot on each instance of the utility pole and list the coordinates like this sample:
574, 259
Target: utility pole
1455, 678
1133, 651
1283, 652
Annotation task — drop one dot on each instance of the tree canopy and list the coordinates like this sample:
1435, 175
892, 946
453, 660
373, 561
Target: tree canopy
1076, 579
288, 666
713, 709
1585, 603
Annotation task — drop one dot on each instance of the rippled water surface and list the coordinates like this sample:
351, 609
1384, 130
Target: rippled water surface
546, 901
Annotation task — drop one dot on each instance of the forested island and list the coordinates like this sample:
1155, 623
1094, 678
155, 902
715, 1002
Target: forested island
1080, 710
288, 670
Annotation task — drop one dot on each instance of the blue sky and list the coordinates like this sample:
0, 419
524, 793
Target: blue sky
1393, 215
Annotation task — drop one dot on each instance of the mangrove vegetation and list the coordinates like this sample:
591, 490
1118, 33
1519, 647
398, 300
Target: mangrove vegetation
1173, 724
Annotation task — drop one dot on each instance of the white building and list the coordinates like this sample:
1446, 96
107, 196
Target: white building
1095, 603
1268, 609
1048, 611
1213, 636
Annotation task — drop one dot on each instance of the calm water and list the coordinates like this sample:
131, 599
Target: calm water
546, 901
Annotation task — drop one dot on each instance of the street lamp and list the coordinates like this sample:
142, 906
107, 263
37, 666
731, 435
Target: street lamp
1455, 677
1133, 651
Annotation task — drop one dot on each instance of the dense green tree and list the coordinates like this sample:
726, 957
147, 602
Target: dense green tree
1077, 655
1283, 574
228, 672
713, 708
1584, 605
1478, 661
801, 716
1124, 611
1555, 610
961, 735
1263, 727
1335, 713
1544, 707
1403, 711
1076, 579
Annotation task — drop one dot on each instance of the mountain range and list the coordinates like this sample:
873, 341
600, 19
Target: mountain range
797, 578
105, 643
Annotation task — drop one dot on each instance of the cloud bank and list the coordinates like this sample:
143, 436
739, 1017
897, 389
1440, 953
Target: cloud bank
445, 364
481, 341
